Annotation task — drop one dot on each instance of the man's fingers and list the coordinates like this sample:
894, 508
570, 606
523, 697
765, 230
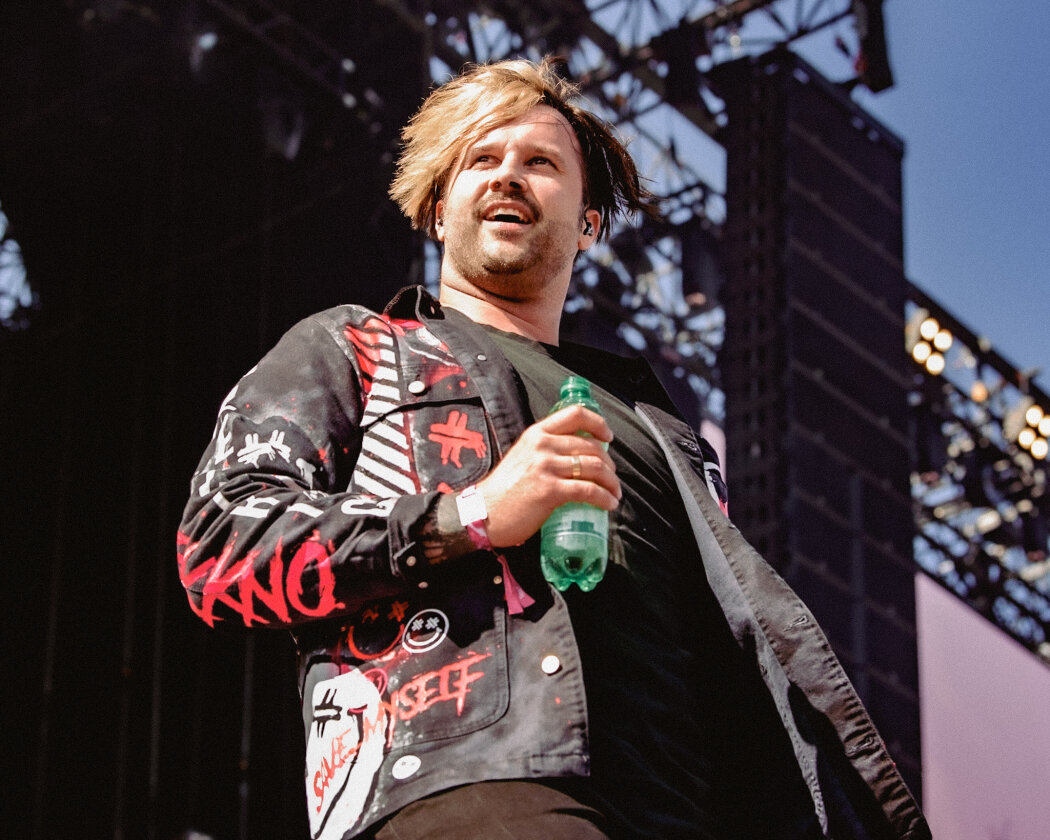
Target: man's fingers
600, 494
598, 468
576, 420
565, 446
559, 459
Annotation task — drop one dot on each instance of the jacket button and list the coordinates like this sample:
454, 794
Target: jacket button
405, 766
417, 386
482, 357
423, 584
498, 579
550, 664
410, 561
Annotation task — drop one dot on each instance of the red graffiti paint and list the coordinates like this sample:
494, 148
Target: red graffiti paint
313, 556
454, 437
357, 653
242, 585
378, 677
450, 684
343, 748
398, 610
368, 342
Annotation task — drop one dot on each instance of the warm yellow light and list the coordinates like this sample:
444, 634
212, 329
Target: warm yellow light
929, 328
979, 392
1034, 415
935, 364
1044, 426
1039, 448
921, 352
943, 340
1026, 437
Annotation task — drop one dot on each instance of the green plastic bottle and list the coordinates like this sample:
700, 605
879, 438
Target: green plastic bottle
574, 541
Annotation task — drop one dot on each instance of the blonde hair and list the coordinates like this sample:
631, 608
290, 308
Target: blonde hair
484, 97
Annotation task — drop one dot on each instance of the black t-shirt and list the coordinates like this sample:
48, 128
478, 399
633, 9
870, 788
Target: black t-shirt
669, 701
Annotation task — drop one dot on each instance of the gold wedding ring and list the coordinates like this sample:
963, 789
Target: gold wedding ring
577, 467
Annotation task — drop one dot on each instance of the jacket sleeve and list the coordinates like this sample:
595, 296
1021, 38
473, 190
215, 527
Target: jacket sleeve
270, 535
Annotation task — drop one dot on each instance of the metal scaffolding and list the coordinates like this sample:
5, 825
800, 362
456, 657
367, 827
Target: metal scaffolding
645, 67
980, 485
641, 65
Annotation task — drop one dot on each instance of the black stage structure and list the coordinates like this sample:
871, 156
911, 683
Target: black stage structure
177, 210
814, 370
185, 180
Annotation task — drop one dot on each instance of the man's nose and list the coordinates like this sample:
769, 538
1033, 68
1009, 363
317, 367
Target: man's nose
508, 175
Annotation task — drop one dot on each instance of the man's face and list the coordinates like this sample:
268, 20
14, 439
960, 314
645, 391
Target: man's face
512, 217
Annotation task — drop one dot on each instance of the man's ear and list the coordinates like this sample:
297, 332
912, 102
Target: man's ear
592, 221
439, 220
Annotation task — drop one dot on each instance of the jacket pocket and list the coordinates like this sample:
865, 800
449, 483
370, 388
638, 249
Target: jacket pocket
439, 664
404, 672
424, 446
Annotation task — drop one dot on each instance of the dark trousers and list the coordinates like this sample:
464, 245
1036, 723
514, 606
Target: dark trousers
513, 810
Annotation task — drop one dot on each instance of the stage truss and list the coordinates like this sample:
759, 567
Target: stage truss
979, 489
641, 65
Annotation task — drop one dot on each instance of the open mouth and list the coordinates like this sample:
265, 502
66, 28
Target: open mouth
507, 215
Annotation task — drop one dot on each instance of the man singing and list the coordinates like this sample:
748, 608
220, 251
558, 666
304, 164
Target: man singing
377, 483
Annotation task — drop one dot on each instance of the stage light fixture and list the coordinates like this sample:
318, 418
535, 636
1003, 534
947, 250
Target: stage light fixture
935, 364
1026, 437
1044, 426
1034, 415
1039, 449
927, 341
679, 49
912, 327
873, 63
929, 328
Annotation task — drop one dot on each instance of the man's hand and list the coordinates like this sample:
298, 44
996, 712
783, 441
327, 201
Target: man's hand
552, 463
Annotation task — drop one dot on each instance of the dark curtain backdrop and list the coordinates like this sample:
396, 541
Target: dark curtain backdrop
174, 223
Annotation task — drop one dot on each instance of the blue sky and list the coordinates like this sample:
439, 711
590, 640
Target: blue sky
972, 103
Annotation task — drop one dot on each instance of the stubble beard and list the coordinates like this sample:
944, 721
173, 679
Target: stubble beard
517, 272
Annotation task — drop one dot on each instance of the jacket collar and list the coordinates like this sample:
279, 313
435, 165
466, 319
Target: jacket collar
414, 302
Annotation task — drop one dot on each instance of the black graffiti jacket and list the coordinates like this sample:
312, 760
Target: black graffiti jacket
305, 513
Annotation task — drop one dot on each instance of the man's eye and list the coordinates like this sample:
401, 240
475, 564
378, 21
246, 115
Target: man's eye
541, 160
